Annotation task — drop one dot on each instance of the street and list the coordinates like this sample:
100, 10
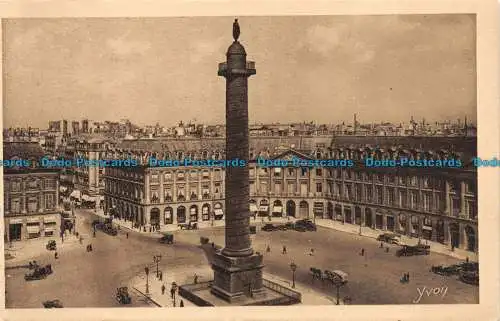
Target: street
90, 279
83, 279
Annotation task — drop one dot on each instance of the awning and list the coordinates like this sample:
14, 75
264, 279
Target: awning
264, 208
33, 229
16, 221
428, 228
76, 194
49, 219
278, 209
218, 211
253, 207
33, 220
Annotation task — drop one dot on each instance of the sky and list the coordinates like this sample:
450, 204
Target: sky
309, 68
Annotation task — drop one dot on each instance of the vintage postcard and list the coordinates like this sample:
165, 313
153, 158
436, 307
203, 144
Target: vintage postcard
250, 161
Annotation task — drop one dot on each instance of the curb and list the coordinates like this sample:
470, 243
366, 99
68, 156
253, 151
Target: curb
147, 297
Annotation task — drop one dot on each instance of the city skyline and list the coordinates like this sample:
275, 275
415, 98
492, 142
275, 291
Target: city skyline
340, 61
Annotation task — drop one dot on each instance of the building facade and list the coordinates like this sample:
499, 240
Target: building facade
31, 207
435, 204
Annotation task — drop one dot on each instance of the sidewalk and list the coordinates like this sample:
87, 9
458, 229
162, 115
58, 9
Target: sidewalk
185, 275
327, 223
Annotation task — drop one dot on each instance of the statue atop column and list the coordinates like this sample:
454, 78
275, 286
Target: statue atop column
236, 30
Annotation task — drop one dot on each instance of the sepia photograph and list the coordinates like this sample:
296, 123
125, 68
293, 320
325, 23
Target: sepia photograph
243, 161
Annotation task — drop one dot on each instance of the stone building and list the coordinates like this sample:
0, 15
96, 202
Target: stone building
434, 204
87, 182
31, 207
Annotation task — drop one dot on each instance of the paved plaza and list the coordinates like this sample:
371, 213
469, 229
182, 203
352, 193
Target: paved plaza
83, 279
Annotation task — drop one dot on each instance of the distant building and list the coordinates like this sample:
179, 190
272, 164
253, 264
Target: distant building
31, 207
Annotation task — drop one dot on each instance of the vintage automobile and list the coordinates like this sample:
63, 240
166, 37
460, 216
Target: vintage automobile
167, 239
299, 228
307, 224
107, 228
389, 238
446, 270
39, 273
408, 250
469, 266
469, 277
52, 304
269, 228
122, 295
51, 245
188, 226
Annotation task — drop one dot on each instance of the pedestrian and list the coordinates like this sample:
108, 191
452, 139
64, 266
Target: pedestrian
150, 229
362, 252
161, 276
163, 289
195, 279
55, 255
213, 245
268, 249
284, 249
467, 259
181, 304
172, 293
312, 252
127, 234
408, 277
381, 244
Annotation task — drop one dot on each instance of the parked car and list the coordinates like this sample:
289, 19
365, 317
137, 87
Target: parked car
408, 250
52, 304
51, 245
168, 239
469, 266
307, 224
269, 228
389, 238
39, 273
446, 270
469, 277
122, 295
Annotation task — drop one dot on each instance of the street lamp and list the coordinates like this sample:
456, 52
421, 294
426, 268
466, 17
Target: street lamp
174, 288
157, 259
338, 284
293, 267
146, 269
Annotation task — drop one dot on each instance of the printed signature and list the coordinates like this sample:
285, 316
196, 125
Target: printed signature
430, 291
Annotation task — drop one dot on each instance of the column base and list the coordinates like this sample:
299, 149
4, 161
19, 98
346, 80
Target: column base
237, 278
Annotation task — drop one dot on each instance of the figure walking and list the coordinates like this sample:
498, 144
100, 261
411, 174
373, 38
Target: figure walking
284, 249
181, 304
56, 255
362, 252
195, 279
268, 249
163, 289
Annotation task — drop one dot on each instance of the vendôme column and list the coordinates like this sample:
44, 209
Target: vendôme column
236, 70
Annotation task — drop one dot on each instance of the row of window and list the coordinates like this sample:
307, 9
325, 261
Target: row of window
30, 204
425, 182
16, 185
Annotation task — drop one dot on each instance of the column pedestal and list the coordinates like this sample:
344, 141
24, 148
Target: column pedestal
236, 278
